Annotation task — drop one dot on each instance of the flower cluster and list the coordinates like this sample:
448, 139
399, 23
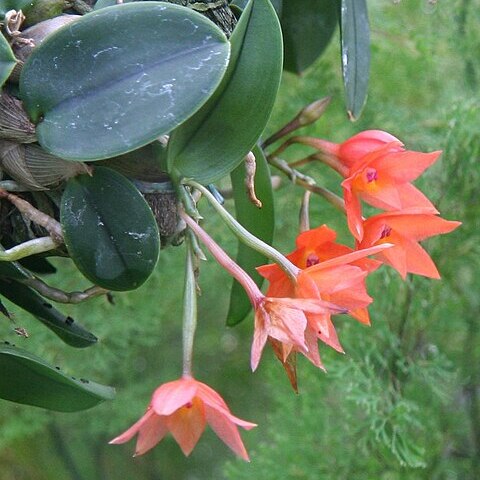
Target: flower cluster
378, 170
319, 279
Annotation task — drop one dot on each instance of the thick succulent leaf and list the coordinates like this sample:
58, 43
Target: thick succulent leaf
109, 229
66, 328
355, 42
7, 60
4, 311
307, 26
13, 270
27, 379
119, 77
214, 141
143, 164
260, 222
38, 264
277, 4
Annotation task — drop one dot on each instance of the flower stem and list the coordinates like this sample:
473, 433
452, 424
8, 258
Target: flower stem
189, 311
246, 237
328, 160
307, 115
307, 183
251, 288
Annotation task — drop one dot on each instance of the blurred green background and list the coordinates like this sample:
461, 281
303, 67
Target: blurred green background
403, 403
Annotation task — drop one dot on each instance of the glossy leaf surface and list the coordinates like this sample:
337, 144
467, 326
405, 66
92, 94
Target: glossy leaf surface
38, 264
27, 379
13, 270
7, 60
215, 140
109, 230
119, 77
259, 221
307, 26
66, 328
355, 42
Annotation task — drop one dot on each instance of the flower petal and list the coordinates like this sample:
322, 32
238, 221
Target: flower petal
260, 336
316, 237
406, 166
171, 396
324, 330
360, 314
412, 197
213, 400
313, 354
386, 197
227, 431
419, 262
396, 257
354, 210
134, 429
187, 425
351, 257
150, 434
421, 226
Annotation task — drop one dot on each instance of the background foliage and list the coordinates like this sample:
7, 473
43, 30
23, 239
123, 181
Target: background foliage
401, 404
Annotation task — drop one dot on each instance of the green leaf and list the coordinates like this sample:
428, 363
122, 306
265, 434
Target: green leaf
119, 77
307, 26
70, 332
38, 264
7, 60
13, 270
27, 379
215, 140
143, 164
109, 230
260, 222
355, 43
277, 4
6, 5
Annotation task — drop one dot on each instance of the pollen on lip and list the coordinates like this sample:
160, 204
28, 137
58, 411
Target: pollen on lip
372, 175
386, 232
312, 259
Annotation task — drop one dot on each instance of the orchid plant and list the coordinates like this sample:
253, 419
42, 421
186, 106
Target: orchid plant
110, 140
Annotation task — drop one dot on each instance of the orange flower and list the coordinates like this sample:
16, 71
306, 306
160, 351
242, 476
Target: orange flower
352, 150
329, 272
283, 321
313, 247
184, 407
404, 229
382, 179
278, 320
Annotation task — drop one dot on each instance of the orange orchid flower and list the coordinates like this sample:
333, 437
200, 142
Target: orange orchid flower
382, 179
404, 229
329, 272
284, 321
279, 320
353, 149
183, 408
313, 247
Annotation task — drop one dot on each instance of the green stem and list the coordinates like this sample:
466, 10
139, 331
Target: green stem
189, 311
32, 247
307, 183
246, 237
187, 201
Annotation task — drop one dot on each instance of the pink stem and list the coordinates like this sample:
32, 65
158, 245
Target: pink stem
251, 288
